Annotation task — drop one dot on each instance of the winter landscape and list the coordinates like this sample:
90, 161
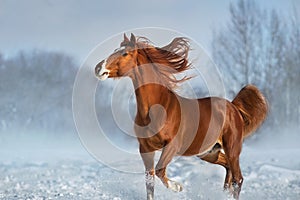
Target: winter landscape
270, 165
43, 156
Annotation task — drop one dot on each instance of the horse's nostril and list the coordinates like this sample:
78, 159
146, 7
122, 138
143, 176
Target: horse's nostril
105, 73
97, 70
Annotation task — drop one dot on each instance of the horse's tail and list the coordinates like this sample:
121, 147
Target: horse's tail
253, 107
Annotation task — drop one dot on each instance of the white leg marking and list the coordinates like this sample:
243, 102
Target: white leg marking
176, 187
149, 185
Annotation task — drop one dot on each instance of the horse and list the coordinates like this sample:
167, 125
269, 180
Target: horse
210, 128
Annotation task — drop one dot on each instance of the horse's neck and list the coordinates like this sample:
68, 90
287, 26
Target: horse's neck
149, 94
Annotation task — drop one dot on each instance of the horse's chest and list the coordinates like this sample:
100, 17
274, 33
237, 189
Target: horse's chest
155, 142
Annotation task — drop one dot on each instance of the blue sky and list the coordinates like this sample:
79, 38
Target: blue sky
76, 27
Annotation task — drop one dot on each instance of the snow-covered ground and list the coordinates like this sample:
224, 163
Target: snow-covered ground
270, 165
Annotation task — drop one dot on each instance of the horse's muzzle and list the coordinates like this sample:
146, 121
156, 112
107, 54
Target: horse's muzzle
100, 71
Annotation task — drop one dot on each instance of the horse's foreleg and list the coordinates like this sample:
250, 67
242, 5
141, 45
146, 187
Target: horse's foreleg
149, 177
161, 167
148, 159
175, 186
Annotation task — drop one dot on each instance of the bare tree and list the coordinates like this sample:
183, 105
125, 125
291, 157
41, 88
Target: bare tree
273, 56
292, 67
260, 47
235, 48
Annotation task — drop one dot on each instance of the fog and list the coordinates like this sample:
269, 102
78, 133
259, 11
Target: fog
41, 53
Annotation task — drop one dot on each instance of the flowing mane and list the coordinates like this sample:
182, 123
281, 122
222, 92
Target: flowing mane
168, 60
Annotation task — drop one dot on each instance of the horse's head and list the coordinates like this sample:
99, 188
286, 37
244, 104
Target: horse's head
121, 62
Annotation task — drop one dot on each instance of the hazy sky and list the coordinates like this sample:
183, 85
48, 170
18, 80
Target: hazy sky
77, 26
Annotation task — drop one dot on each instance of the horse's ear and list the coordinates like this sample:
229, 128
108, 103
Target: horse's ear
126, 40
132, 39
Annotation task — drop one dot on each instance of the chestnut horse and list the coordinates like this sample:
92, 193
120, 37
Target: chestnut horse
211, 128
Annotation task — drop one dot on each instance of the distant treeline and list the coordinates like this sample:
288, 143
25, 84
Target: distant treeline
36, 92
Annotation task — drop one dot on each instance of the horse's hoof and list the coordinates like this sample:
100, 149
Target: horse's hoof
150, 197
176, 187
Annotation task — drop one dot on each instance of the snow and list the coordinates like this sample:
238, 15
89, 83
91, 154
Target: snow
69, 172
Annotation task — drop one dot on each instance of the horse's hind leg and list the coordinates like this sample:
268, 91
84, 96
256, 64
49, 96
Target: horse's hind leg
237, 178
220, 159
232, 143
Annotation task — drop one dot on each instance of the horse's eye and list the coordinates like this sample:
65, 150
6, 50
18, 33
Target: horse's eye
125, 54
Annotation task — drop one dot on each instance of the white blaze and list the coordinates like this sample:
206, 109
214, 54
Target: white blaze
103, 73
